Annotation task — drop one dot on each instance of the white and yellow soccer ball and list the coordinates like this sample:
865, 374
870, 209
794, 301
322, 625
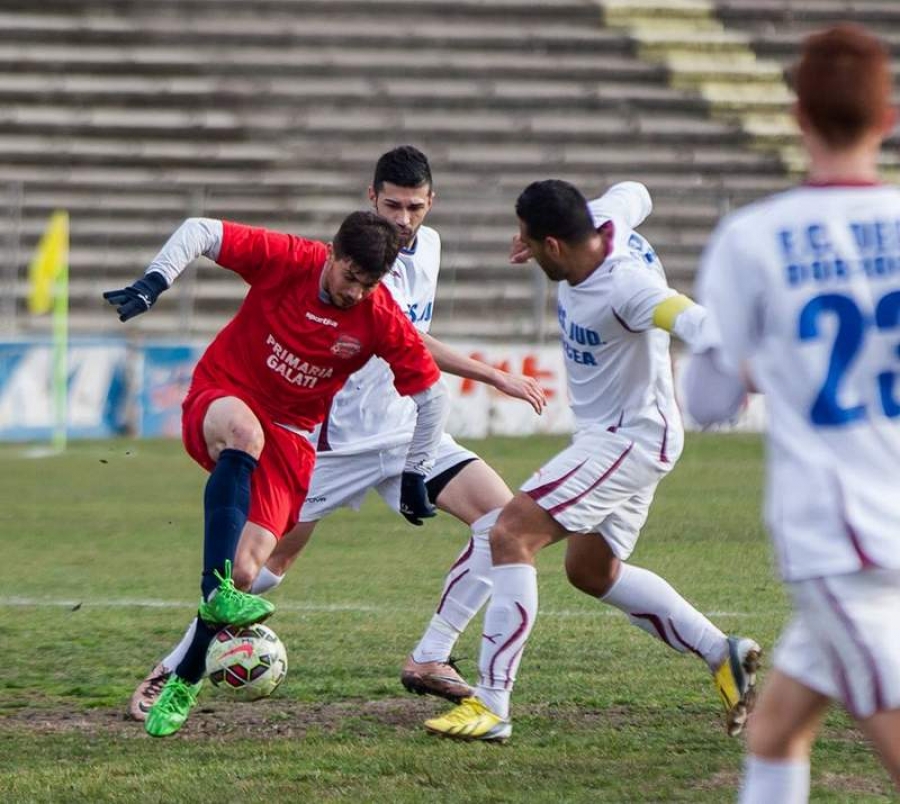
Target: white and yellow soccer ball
249, 662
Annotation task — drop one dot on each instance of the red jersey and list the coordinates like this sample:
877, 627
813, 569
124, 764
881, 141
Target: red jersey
288, 351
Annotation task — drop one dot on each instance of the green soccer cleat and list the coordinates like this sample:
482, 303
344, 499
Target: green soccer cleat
735, 680
471, 720
230, 606
172, 707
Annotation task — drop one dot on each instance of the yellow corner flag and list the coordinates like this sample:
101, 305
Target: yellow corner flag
50, 261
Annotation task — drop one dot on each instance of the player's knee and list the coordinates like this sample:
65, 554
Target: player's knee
244, 575
584, 579
593, 581
507, 545
246, 436
769, 742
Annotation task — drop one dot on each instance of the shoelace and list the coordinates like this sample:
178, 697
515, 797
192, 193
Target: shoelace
225, 579
453, 661
226, 583
180, 694
155, 684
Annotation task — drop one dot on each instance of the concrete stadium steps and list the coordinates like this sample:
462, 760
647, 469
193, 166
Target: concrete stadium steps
774, 28
773, 31
399, 10
317, 30
313, 61
147, 126
799, 15
248, 93
718, 63
134, 116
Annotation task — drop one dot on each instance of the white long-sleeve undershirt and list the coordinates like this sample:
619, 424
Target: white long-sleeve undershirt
433, 407
195, 237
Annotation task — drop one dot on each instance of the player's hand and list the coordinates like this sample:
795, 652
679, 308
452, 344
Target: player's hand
521, 387
137, 298
519, 251
414, 502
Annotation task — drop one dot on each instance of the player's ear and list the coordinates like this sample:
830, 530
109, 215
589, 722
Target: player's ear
553, 247
373, 196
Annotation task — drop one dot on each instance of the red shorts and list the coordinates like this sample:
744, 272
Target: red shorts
279, 483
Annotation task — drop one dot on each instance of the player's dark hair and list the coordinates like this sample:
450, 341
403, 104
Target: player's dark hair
555, 208
369, 241
843, 83
405, 166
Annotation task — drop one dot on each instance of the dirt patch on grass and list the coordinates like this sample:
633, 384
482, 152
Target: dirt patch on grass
274, 718
281, 718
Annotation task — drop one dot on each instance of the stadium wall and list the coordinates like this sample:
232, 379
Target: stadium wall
119, 388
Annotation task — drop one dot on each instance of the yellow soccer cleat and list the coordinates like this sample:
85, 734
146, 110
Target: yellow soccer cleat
736, 682
471, 720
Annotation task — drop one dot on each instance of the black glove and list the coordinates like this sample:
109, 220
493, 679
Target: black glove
414, 502
137, 298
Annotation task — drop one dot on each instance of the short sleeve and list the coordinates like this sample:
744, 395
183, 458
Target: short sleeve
728, 286
402, 347
260, 254
637, 292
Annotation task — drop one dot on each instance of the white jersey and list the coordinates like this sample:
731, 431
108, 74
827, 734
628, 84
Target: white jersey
805, 289
368, 413
617, 363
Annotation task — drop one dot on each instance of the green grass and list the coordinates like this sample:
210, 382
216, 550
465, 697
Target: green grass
602, 712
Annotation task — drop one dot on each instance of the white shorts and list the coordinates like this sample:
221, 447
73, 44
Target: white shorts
844, 639
603, 483
342, 480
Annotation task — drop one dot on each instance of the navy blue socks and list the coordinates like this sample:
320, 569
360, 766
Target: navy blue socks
226, 504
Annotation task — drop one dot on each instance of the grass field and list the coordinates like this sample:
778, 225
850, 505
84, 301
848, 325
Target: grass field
99, 571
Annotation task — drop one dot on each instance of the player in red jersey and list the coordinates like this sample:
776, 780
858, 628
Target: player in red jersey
315, 313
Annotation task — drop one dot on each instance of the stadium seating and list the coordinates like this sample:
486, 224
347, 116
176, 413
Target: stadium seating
133, 116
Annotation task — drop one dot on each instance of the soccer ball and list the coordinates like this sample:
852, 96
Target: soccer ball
249, 662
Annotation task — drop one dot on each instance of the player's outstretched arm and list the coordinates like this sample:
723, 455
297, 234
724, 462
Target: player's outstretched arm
517, 386
195, 237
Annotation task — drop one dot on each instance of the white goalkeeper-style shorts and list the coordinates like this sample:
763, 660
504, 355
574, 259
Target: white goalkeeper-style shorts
342, 480
602, 483
844, 639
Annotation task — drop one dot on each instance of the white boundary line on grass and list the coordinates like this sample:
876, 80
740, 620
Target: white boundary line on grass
359, 608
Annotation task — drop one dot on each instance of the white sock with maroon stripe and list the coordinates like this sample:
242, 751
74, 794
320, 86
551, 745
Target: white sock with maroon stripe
466, 589
653, 605
767, 780
507, 623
